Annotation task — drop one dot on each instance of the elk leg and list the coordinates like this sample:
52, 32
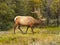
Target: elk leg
32, 30
15, 27
20, 28
27, 29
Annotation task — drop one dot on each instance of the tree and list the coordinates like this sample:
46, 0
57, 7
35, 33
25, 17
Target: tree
6, 16
55, 9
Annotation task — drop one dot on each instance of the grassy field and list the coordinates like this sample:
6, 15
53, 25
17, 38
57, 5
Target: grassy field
42, 36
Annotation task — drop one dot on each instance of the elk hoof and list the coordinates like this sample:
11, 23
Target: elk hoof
33, 32
23, 33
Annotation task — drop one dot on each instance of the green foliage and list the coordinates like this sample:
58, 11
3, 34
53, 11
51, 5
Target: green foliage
6, 16
55, 6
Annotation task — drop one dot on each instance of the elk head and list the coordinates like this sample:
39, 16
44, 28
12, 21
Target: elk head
41, 19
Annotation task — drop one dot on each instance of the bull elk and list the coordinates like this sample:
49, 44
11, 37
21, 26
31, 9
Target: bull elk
28, 21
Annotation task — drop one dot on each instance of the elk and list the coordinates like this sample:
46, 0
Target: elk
28, 21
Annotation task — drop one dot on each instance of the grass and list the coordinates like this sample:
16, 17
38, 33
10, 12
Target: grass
53, 28
42, 37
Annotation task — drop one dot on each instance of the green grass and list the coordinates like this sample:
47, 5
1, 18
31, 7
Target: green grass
42, 34
53, 28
